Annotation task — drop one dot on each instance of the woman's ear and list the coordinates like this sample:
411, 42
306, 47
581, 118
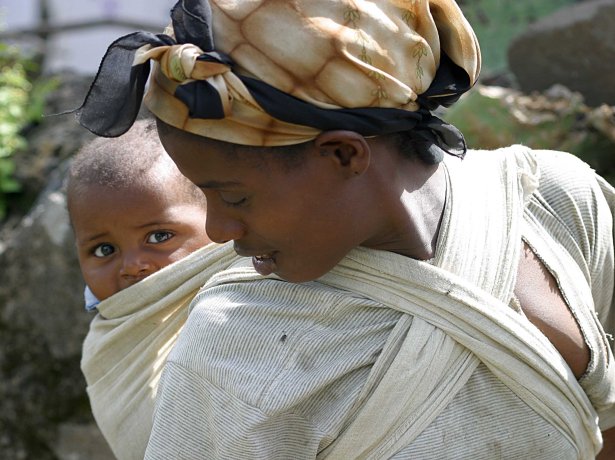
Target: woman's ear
348, 149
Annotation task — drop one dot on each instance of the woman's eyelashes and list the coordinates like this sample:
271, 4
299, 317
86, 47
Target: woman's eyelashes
233, 199
228, 198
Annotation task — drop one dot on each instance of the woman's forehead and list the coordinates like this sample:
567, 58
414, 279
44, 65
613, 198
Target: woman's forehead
193, 153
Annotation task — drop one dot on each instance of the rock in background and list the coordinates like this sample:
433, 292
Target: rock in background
574, 47
557, 119
497, 22
44, 410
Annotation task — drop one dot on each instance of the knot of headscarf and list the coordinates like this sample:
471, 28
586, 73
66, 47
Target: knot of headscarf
177, 62
282, 72
184, 63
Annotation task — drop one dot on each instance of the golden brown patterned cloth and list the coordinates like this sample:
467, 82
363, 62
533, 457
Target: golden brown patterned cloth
278, 72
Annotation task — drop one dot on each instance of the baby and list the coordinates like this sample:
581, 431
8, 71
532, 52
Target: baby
131, 210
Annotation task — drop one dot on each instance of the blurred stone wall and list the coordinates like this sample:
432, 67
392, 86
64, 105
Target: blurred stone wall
574, 47
44, 411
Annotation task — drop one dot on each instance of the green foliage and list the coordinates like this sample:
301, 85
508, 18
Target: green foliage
497, 22
541, 121
22, 99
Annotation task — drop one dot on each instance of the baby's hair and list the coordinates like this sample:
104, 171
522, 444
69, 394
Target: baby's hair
135, 158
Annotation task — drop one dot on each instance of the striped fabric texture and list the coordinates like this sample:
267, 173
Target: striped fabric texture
269, 369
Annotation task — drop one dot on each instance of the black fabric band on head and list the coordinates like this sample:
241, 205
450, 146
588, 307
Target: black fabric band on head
449, 83
202, 100
432, 135
366, 121
114, 99
192, 23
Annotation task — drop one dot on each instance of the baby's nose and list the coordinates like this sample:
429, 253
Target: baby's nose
136, 264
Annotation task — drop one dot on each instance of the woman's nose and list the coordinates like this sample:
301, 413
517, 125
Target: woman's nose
222, 228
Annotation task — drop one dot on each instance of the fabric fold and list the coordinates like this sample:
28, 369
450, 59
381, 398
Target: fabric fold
465, 298
460, 317
456, 317
128, 342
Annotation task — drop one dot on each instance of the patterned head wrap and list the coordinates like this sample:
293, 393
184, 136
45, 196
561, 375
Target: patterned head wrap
279, 72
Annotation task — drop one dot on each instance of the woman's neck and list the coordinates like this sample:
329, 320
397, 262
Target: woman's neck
415, 212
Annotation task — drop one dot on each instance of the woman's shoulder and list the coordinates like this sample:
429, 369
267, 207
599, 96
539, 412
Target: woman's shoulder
572, 201
562, 178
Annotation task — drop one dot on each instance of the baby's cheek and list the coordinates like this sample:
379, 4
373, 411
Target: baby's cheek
102, 286
177, 255
196, 242
102, 276
204, 240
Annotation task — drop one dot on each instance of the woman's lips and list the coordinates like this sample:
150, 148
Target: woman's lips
264, 264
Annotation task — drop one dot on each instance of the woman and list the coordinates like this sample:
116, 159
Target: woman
433, 307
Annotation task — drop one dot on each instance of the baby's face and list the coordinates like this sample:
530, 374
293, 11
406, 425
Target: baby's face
125, 235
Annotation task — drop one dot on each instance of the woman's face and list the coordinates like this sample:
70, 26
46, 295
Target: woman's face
297, 222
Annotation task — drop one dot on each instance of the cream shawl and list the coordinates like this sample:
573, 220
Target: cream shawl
129, 340
456, 325
456, 315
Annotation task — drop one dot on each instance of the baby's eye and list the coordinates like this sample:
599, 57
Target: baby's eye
159, 237
104, 250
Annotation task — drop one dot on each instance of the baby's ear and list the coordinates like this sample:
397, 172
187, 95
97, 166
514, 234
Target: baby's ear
349, 150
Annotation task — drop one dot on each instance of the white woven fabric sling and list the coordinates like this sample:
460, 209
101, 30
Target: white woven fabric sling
128, 342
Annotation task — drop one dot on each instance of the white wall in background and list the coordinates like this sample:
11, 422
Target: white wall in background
81, 50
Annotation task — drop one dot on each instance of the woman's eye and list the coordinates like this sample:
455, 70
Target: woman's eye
159, 237
103, 250
233, 199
